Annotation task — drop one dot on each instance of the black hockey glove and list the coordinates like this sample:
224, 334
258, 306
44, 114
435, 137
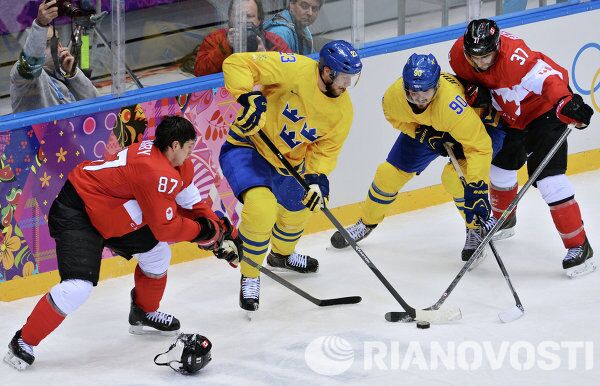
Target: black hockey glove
478, 96
251, 119
573, 110
318, 194
477, 202
433, 139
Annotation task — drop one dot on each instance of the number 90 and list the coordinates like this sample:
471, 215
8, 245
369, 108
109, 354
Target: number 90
458, 105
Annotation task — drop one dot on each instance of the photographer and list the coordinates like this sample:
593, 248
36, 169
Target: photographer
218, 45
35, 80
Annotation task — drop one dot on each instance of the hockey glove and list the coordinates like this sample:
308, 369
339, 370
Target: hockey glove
433, 139
230, 248
573, 110
251, 119
477, 202
478, 96
220, 237
318, 194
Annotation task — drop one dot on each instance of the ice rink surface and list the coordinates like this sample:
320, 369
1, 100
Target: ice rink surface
557, 342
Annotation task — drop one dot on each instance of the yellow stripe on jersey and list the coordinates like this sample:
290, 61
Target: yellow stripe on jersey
301, 121
447, 112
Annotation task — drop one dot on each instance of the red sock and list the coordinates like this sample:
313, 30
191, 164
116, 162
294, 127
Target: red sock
501, 199
567, 219
41, 322
148, 291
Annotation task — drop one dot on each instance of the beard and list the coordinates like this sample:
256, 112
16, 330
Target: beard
330, 92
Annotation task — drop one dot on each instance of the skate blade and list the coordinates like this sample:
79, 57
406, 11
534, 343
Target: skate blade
147, 330
504, 234
510, 315
287, 270
589, 266
15, 361
249, 315
478, 261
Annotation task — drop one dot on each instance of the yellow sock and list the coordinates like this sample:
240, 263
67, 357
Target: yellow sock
455, 188
258, 217
386, 184
288, 229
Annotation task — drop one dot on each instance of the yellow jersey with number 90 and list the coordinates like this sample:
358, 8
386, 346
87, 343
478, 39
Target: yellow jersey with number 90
449, 112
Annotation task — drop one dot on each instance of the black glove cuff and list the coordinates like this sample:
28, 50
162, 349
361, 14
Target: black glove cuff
207, 229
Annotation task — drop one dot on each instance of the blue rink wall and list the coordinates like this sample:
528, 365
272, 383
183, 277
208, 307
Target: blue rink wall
39, 148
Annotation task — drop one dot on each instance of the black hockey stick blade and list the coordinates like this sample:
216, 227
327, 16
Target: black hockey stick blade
398, 316
338, 301
304, 294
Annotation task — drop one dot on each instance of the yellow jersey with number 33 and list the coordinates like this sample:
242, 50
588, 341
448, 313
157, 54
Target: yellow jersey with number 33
308, 127
449, 112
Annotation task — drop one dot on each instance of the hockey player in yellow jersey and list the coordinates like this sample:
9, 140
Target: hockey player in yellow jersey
303, 107
429, 109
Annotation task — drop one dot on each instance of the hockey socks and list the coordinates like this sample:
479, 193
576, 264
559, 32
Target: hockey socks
567, 219
44, 319
148, 290
501, 199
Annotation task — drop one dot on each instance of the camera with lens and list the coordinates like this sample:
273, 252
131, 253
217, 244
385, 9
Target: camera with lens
252, 34
66, 8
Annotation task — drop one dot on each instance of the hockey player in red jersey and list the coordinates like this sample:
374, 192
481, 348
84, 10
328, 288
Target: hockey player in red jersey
531, 93
134, 203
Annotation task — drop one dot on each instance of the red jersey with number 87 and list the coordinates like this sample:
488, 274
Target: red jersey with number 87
524, 83
139, 186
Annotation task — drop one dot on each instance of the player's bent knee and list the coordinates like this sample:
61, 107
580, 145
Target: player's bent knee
70, 294
451, 182
156, 261
503, 178
260, 209
555, 188
390, 179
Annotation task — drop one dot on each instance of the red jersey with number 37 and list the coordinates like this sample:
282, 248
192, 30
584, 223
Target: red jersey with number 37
524, 83
139, 186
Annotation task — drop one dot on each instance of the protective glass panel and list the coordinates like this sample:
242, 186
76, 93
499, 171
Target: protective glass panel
31, 75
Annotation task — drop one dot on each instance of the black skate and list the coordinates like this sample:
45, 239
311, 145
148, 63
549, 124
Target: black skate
357, 231
294, 262
20, 354
507, 229
249, 294
579, 260
141, 322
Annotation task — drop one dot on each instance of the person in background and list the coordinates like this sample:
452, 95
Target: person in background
39, 79
218, 45
292, 24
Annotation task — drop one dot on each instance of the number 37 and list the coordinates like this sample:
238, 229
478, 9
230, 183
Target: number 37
163, 184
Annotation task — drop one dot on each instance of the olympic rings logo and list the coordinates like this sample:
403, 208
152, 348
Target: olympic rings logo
595, 78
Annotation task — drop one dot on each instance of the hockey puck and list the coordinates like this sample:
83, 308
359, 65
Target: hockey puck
423, 325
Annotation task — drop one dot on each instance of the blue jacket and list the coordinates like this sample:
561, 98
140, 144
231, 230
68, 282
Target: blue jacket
283, 25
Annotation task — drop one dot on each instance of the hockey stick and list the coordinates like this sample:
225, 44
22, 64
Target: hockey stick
421, 315
404, 316
293, 288
517, 311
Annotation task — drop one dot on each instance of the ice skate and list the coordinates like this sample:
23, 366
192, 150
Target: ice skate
580, 260
507, 229
141, 322
20, 354
357, 231
295, 262
249, 295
